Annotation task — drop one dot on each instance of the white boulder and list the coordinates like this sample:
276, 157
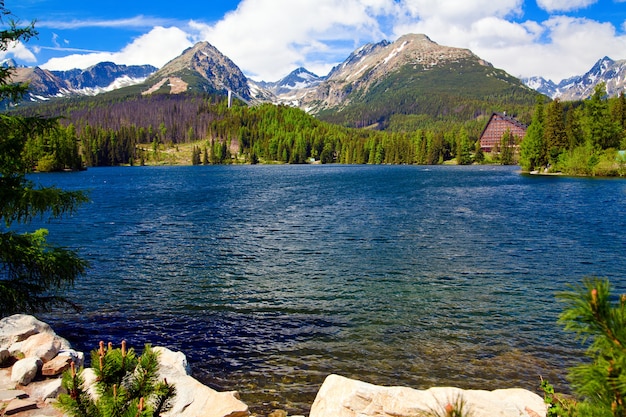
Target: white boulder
44, 346
344, 397
25, 370
192, 398
19, 327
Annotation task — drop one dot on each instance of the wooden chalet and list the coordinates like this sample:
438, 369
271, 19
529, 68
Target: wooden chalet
497, 125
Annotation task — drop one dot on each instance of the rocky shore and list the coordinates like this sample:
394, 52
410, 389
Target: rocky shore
33, 357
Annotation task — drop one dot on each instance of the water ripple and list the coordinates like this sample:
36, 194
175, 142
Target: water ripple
271, 277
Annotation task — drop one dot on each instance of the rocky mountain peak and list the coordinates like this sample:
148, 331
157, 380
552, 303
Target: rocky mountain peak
373, 62
42, 84
580, 87
383, 57
204, 60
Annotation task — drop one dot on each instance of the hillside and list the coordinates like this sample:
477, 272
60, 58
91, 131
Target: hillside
415, 76
201, 68
408, 84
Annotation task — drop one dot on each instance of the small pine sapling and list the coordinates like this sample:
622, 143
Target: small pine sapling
125, 385
600, 321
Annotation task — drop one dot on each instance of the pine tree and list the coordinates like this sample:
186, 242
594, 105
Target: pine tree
573, 130
555, 135
601, 131
599, 321
507, 143
532, 149
205, 156
463, 148
32, 271
195, 155
125, 385
479, 155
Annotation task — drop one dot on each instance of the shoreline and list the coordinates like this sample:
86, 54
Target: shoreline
24, 339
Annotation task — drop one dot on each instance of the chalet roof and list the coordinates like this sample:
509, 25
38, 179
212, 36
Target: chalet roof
504, 117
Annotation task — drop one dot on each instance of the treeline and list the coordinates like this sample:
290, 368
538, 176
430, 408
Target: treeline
117, 131
110, 130
577, 138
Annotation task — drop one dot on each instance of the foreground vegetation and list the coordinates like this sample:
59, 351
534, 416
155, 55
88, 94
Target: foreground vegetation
125, 385
33, 272
599, 321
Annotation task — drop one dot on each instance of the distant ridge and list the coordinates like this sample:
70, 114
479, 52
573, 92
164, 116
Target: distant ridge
580, 87
99, 78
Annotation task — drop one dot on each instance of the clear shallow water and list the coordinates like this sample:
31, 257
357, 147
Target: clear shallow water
271, 277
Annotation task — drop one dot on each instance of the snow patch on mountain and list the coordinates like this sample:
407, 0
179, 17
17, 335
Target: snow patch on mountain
606, 70
287, 88
120, 82
395, 52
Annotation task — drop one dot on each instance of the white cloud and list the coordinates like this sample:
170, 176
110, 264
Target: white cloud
268, 38
156, 47
460, 11
557, 48
18, 51
564, 5
573, 46
132, 22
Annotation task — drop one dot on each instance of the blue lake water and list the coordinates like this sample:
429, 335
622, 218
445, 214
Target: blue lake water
271, 277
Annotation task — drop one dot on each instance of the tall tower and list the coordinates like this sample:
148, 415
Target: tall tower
230, 98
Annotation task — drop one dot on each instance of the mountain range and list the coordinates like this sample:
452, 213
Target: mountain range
99, 78
580, 87
375, 84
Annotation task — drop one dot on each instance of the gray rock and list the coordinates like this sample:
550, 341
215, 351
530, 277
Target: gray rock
44, 346
56, 366
77, 357
48, 389
18, 406
11, 394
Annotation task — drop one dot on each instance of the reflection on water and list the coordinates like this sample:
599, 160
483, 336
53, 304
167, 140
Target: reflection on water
271, 277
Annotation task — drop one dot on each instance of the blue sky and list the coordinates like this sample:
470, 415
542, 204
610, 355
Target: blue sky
268, 39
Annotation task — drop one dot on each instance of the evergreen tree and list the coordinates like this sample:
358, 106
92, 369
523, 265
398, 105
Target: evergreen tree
600, 130
32, 271
555, 135
599, 321
479, 155
573, 129
507, 146
532, 149
195, 156
205, 156
463, 148
125, 385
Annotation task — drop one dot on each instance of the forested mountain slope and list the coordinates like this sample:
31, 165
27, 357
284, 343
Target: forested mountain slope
415, 76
